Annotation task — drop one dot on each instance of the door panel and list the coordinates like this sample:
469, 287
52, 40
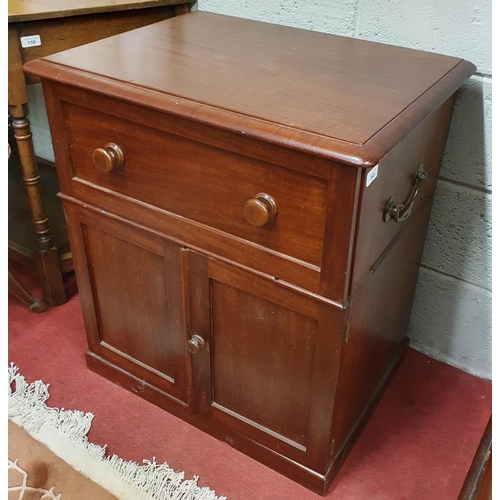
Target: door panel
261, 355
132, 284
131, 303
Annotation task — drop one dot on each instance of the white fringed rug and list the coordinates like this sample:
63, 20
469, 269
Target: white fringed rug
64, 432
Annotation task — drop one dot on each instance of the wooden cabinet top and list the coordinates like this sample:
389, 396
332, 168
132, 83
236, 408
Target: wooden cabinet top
31, 10
342, 98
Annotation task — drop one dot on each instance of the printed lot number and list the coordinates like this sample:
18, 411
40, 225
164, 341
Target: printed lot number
30, 41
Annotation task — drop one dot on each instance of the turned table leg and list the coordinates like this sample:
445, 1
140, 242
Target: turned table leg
46, 254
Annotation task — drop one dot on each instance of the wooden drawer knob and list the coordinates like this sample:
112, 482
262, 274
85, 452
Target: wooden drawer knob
260, 209
195, 344
108, 158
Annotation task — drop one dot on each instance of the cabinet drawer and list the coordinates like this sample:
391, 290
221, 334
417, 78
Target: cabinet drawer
202, 183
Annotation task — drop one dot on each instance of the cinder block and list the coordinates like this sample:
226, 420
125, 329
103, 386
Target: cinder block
458, 28
37, 116
317, 15
451, 321
467, 157
459, 237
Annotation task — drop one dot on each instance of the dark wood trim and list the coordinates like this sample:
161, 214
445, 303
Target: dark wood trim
478, 483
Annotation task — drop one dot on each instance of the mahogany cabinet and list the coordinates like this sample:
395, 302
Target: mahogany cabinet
247, 206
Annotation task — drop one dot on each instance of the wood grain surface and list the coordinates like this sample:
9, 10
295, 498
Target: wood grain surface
279, 337
31, 10
304, 89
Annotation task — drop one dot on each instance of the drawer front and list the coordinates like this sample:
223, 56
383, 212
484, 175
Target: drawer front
200, 182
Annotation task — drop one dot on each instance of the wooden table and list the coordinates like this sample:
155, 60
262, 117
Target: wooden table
45, 27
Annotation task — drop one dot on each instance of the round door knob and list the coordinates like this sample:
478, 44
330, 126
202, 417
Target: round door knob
195, 344
108, 158
260, 209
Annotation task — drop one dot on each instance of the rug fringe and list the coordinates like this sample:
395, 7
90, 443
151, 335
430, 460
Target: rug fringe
150, 481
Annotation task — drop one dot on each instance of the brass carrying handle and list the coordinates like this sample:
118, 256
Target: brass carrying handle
401, 212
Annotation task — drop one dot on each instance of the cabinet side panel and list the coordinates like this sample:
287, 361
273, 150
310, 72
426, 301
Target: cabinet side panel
378, 318
385, 269
395, 176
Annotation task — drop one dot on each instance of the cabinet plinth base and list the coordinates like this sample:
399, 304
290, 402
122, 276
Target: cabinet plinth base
308, 478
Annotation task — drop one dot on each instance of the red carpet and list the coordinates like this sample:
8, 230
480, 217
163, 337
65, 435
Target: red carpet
418, 445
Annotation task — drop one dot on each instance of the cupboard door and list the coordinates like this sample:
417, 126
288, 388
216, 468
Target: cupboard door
130, 284
267, 365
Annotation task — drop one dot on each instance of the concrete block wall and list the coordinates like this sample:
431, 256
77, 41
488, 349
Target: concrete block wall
451, 317
42, 141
